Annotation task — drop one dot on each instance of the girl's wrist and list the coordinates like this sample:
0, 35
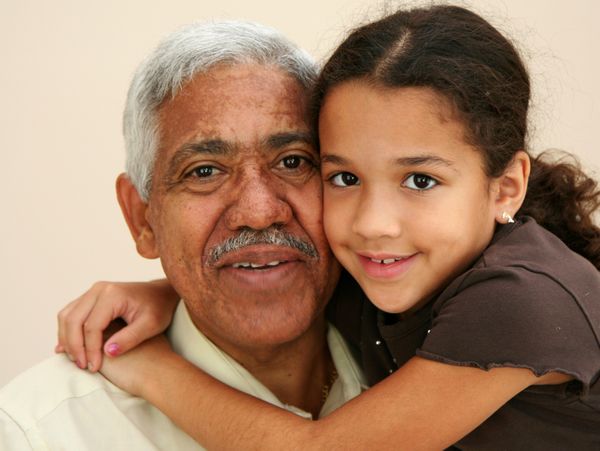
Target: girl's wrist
154, 387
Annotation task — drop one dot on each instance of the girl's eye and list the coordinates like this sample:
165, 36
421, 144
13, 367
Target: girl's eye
344, 179
420, 182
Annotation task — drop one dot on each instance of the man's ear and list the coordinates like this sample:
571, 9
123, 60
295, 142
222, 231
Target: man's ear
134, 209
511, 187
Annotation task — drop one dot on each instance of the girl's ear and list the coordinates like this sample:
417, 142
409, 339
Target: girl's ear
511, 187
134, 209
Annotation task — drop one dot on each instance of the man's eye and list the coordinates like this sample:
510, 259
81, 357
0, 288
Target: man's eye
292, 162
344, 179
420, 182
203, 171
296, 165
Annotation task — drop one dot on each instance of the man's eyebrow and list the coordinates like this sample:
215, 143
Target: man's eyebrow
280, 140
205, 147
224, 148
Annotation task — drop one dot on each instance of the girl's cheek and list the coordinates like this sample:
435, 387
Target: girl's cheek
331, 223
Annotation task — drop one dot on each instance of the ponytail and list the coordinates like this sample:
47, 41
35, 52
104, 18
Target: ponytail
563, 199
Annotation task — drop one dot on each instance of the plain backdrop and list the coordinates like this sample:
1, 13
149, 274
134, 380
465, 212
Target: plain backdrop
65, 68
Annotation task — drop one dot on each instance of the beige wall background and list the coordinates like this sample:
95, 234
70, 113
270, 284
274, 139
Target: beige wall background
65, 68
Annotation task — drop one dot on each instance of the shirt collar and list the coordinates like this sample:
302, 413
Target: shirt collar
194, 346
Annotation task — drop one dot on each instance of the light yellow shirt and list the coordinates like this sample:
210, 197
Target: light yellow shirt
56, 406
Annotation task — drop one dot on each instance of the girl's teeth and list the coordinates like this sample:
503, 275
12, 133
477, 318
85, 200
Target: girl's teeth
386, 261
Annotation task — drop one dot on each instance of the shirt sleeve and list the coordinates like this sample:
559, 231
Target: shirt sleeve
512, 317
12, 437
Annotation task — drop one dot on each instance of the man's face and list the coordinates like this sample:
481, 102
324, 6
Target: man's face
236, 157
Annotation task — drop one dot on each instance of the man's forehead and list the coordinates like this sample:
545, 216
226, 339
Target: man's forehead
233, 103
242, 85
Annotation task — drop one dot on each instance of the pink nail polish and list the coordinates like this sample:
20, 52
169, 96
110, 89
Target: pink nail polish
113, 349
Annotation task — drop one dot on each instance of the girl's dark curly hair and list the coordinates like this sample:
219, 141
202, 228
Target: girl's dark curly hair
462, 57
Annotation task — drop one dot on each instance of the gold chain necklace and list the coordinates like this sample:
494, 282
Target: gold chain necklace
327, 386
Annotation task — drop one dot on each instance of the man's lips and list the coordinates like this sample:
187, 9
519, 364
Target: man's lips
262, 268
248, 265
262, 256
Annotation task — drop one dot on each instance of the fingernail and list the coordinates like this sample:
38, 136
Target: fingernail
113, 349
80, 364
71, 358
90, 366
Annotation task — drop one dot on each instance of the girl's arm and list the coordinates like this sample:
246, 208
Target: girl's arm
424, 405
146, 307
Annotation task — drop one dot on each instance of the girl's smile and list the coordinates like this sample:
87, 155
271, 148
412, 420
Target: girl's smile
386, 266
408, 205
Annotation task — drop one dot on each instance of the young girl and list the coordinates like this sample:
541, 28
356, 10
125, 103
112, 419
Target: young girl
479, 263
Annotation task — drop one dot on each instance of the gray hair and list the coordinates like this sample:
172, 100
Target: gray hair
184, 54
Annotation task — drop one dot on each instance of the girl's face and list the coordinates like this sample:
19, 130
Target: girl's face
408, 206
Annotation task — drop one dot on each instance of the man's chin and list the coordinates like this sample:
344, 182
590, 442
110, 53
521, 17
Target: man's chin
257, 307
253, 326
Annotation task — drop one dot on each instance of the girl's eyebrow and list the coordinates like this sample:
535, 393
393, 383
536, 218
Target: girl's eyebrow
418, 160
333, 159
423, 160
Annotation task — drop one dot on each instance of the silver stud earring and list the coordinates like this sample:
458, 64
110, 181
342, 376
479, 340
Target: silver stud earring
508, 218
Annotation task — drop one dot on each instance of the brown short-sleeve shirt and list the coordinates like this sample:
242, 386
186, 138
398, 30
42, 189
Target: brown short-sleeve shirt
527, 302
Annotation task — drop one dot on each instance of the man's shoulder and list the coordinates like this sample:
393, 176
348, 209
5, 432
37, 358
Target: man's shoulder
41, 389
55, 405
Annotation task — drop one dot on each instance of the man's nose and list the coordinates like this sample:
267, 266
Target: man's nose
377, 216
259, 202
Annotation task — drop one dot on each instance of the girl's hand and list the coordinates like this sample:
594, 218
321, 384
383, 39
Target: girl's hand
133, 372
146, 307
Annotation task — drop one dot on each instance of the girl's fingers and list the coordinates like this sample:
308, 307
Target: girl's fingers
97, 321
136, 332
71, 322
70, 328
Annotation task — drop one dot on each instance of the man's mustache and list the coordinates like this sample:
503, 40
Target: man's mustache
250, 237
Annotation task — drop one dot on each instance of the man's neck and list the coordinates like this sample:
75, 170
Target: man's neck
297, 373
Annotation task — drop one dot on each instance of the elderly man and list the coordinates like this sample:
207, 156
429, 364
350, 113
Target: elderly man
223, 186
